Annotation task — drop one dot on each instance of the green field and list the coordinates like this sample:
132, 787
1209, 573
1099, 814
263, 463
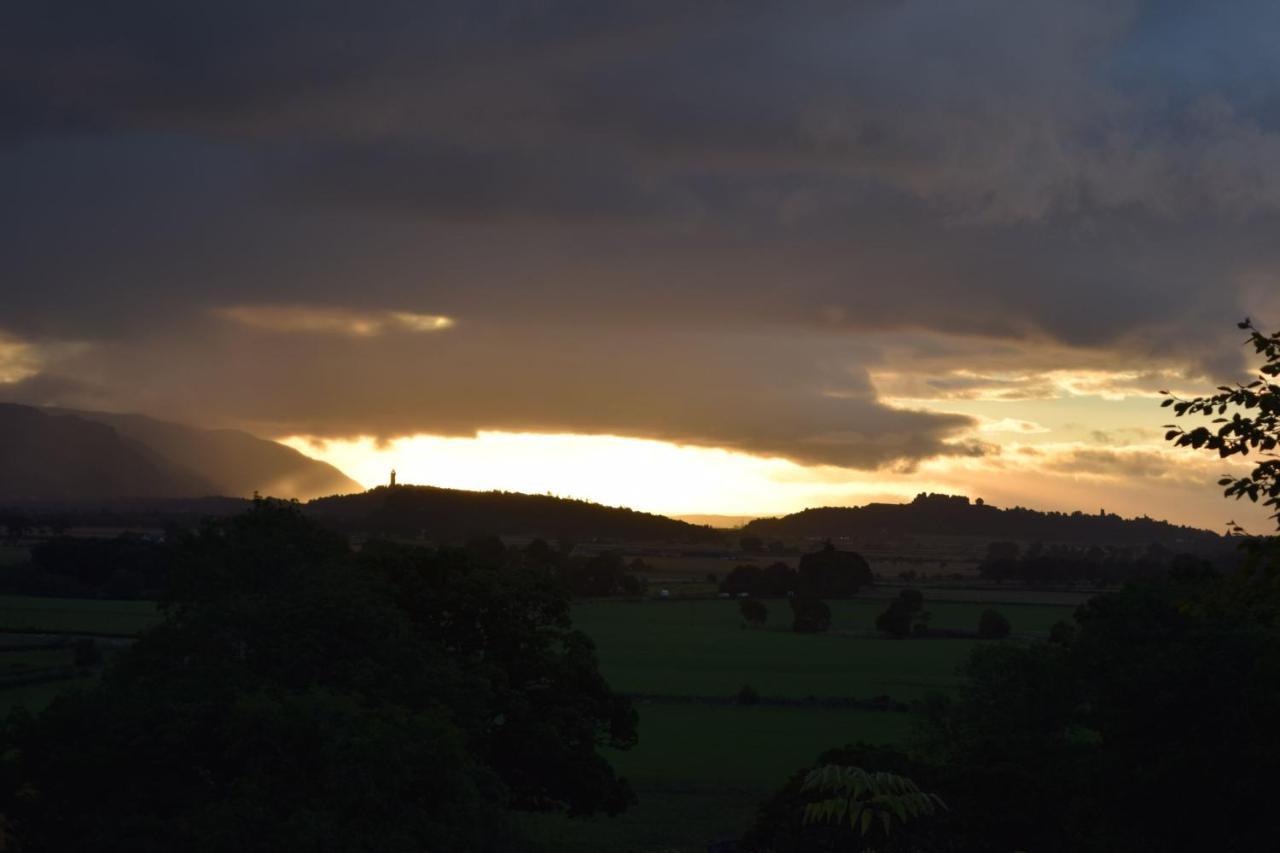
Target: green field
701, 766
75, 615
700, 771
699, 648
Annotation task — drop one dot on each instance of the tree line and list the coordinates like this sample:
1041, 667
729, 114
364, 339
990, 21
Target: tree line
301, 695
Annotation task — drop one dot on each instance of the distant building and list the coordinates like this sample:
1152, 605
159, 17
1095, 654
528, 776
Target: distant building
393, 477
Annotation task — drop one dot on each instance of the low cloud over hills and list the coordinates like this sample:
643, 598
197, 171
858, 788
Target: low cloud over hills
65, 455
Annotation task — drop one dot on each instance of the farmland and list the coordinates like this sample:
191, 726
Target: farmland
703, 761
75, 616
701, 766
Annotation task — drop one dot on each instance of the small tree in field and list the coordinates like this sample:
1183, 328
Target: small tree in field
904, 615
1246, 419
753, 612
992, 625
810, 616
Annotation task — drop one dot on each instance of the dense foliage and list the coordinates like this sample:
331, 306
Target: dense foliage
777, 580
993, 625
904, 615
298, 695
809, 615
1161, 703
831, 573
129, 566
1094, 565
754, 611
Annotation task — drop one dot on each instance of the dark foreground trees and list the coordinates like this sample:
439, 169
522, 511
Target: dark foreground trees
1153, 729
300, 696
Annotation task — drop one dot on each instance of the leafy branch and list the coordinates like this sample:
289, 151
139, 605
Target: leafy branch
1253, 424
865, 799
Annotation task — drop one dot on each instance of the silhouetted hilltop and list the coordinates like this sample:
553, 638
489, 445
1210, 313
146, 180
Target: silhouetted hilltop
452, 514
950, 515
46, 456
235, 463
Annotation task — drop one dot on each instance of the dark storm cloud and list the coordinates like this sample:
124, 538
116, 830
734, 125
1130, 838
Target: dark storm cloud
1098, 181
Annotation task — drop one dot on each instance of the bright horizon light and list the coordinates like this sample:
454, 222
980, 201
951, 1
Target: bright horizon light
643, 474
680, 480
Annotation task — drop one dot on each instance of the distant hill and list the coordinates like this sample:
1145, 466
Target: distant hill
46, 456
955, 516
231, 462
65, 455
452, 514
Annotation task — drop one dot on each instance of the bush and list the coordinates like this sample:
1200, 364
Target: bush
753, 612
809, 616
992, 625
1062, 632
748, 695
903, 614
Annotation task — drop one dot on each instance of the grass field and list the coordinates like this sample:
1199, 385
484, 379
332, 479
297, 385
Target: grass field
18, 661
12, 555
700, 771
74, 615
699, 648
700, 768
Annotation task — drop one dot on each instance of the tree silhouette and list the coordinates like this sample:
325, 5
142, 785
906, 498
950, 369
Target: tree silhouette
1253, 425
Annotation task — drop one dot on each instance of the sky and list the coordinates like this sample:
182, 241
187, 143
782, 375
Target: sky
693, 257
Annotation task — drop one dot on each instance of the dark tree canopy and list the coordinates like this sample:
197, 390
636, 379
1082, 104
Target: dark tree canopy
754, 612
829, 573
992, 625
903, 614
809, 615
298, 695
776, 580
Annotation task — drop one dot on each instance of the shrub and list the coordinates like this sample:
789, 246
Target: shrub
1062, 632
809, 616
992, 625
903, 613
753, 611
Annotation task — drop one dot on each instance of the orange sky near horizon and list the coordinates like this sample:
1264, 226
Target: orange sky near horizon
1027, 469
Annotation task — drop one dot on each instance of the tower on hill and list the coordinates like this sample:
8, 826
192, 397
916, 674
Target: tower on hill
393, 477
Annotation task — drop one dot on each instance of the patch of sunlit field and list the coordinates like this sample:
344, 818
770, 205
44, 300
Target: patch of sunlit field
76, 615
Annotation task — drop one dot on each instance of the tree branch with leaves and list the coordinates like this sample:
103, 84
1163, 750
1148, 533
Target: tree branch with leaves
1245, 419
865, 800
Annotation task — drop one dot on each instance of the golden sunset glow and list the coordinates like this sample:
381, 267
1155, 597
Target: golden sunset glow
1026, 469
653, 476
336, 321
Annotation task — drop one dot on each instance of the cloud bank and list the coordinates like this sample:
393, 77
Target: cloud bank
729, 225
